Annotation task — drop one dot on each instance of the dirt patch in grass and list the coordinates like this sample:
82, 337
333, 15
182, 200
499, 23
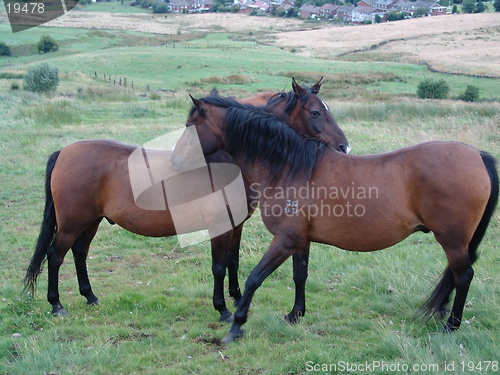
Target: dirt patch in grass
177, 24
233, 79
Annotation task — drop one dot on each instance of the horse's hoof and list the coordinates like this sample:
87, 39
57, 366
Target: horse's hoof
93, 302
293, 317
230, 337
448, 328
60, 312
227, 317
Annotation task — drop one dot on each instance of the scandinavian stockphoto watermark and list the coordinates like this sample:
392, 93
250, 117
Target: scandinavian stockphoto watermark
401, 367
204, 200
24, 14
310, 200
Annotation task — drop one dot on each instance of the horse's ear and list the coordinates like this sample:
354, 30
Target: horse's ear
214, 92
317, 86
297, 89
198, 104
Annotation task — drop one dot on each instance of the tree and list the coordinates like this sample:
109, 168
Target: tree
159, 7
471, 94
433, 89
4, 49
395, 16
454, 10
41, 78
47, 44
468, 6
421, 12
480, 8
496, 5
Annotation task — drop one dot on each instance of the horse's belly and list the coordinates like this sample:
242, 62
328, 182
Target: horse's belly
361, 235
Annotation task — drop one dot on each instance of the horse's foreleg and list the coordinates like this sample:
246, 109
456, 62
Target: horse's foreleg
80, 252
233, 265
300, 267
220, 254
281, 248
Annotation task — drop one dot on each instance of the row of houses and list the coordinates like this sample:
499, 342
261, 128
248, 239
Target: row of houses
365, 10
368, 10
190, 6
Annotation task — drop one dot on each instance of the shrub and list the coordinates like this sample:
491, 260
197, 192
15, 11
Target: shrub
4, 49
15, 86
468, 6
155, 96
480, 8
433, 89
41, 78
471, 94
159, 7
47, 44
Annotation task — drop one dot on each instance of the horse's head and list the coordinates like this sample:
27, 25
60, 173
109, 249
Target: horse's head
310, 115
202, 136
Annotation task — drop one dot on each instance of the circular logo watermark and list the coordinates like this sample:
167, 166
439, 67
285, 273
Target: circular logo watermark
204, 200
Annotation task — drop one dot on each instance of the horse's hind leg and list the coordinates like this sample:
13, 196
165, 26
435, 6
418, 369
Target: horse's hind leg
80, 251
55, 257
460, 264
220, 254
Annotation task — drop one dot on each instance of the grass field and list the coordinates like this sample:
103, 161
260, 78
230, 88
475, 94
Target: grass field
156, 314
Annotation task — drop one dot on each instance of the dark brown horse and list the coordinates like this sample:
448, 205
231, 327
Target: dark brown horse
308, 192
88, 181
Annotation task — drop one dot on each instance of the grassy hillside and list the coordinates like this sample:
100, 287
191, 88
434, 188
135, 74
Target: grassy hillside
156, 315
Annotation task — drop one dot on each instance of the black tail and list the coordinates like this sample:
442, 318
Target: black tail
441, 294
47, 231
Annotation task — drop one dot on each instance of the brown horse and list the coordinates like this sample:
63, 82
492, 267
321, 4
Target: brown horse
258, 99
308, 192
88, 181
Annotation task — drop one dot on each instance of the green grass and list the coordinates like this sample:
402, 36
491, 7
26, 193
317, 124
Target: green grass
156, 315
113, 7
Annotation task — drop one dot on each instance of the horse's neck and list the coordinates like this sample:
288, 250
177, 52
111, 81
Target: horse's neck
254, 172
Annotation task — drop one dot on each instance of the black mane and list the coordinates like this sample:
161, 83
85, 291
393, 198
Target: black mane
260, 135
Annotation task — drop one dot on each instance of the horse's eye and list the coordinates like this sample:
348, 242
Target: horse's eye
315, 114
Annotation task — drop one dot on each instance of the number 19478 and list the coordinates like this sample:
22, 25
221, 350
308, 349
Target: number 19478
25, 8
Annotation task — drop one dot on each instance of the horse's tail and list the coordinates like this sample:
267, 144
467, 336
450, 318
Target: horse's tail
441, 294
47, 231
